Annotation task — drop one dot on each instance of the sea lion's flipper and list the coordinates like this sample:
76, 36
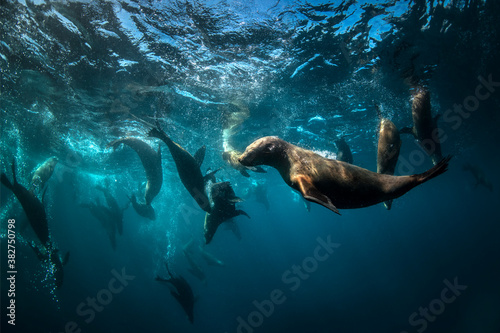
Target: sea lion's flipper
13, 167
6, 182
311, 193
43, 196
241, 212
407, 130
388, 204
210, 176
199, 156
65, 259
259, 170
244, 173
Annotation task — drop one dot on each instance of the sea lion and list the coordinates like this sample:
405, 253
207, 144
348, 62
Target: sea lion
231, 157
194, 269
51, 256
151, 161
42, 174
479, 176
114, 209
183, 292
344, 153
142, 209
224, 200
331, 183
425, 128
188, 167
32, 206
389, 144
106, 217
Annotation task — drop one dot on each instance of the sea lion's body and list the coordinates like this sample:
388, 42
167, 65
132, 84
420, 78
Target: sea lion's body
333, 184
106, 218
389, 144
151, 161
42, 174
32, 206
188, 168
224, 208
183, 293
143, 209
424, 125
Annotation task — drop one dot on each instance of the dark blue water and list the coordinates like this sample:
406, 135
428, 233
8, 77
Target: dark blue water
78, 74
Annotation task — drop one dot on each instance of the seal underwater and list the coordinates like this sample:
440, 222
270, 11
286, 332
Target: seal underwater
32, 206
389, 144
331, 183
151, 161
42, 174
424, 125
188, 167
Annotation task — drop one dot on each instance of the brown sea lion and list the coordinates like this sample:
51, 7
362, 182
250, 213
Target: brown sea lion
425, 128
331, 183
151, 161
232, 156
389, 144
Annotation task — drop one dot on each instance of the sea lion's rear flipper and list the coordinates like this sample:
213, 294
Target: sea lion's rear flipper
407, 130
199, 156
6, 182
311, 193
241, 212
210, 176
65, 259
244, 173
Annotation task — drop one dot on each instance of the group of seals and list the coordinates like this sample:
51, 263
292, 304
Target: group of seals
331, 183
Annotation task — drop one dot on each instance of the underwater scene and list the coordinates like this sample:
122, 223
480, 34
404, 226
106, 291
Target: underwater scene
250, 166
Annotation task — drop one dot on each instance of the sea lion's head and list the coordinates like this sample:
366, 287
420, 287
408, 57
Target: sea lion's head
264, 151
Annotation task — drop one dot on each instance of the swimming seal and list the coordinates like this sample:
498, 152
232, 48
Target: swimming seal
183, 292
188, 167
232, 156
424, 125
142, 209
224, 208
151, 161
389, 144
32, 206
331, 183
42, 174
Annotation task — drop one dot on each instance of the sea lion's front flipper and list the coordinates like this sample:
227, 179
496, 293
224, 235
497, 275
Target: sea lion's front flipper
407, 130
199, 156
244, 173
311, 193
210, 176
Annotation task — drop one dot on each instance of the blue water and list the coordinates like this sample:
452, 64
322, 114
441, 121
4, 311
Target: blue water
78, 74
